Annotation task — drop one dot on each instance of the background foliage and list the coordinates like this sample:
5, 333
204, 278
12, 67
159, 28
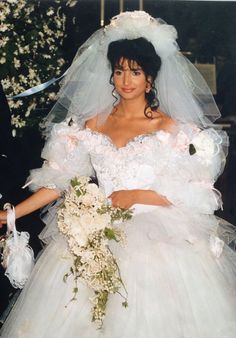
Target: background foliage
32, 35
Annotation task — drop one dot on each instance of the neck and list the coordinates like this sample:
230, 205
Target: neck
131, 108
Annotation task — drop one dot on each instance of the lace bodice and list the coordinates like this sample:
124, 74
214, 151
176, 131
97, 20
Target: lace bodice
159, 161
132, 166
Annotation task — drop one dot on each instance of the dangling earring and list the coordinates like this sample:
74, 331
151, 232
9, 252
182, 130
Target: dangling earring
115, 94
148, 88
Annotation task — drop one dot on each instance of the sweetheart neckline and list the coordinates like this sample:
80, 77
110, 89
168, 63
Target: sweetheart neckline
131, 140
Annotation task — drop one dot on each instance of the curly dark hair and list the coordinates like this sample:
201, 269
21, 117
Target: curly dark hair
143, 53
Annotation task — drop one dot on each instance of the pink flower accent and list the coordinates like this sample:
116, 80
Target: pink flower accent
181, 141
71, 141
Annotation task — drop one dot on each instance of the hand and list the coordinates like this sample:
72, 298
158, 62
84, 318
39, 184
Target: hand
124, 199
3, 218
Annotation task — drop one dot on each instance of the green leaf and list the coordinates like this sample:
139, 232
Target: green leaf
125, 304
75, 290
74, 182
110, 234
65, 277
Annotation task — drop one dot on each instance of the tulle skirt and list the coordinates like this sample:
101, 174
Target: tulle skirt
176, 286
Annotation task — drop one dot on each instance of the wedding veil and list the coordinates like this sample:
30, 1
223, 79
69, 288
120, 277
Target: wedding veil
87, 92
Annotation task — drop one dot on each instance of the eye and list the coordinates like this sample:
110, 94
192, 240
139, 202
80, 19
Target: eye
136, 72
117, 72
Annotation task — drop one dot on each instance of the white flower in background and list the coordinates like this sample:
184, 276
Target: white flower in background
3, 60
52, 96
4, 40
12, 1
46, 56
17, 121
2, 16
21, 49
15, 104
4, 27
23, 79
48, 33
17, 63
71, 3
50, 11
6, 83
32, 73
31, 107
60, 62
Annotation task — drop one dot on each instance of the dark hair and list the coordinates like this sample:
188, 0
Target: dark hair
143, 53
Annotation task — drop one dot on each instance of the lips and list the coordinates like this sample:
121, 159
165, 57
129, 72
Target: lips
127, 90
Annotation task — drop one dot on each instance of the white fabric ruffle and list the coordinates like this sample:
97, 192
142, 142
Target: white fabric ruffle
65, 157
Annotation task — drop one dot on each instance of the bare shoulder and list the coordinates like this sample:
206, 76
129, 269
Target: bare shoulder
91, 123
164, 122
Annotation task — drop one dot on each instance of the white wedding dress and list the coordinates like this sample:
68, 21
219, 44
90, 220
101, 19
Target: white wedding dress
181, 280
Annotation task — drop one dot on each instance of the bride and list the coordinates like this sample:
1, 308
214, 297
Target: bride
135, 113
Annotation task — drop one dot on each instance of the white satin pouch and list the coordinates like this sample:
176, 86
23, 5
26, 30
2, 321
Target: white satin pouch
18, 256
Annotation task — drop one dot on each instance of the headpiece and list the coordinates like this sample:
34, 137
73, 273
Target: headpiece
87, 92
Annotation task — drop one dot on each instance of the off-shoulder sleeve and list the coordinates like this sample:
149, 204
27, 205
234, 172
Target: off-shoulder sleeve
65, 156
198, 160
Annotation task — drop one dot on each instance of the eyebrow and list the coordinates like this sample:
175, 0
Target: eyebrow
120, 67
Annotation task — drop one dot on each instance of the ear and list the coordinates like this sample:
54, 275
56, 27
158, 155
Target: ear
148, 84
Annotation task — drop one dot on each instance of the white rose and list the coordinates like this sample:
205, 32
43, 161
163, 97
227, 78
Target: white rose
92, 189
88, 200
101, 221
86, 220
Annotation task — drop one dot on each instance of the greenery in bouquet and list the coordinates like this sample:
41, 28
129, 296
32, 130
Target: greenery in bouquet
31, 39
88, 222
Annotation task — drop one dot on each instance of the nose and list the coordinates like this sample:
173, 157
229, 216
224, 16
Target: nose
126, 78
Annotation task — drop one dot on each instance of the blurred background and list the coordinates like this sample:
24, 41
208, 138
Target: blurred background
38, 40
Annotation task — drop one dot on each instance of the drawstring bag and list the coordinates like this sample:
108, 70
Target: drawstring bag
17, 256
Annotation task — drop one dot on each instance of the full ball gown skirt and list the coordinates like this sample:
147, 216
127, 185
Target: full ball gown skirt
178, 287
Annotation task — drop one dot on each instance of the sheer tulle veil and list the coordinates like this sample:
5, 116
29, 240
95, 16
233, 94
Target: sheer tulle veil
86, 91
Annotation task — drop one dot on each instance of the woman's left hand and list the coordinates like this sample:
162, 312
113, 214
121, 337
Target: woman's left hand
124, 199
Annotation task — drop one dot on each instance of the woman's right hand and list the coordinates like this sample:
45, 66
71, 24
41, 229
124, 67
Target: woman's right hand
36, 201
3, 217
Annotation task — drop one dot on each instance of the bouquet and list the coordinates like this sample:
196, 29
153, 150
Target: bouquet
88, 222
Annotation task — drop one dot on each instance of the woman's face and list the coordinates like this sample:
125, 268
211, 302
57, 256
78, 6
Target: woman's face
130, 80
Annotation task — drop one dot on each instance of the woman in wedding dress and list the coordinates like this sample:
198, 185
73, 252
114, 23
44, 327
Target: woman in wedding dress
159, 156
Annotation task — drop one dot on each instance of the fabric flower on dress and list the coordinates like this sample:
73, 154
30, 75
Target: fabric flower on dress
204, 145
216, 246
181, 141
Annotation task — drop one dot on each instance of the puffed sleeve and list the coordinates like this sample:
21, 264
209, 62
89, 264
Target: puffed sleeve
196, 159
65, 156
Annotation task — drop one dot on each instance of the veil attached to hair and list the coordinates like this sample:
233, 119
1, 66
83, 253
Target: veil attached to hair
86, 91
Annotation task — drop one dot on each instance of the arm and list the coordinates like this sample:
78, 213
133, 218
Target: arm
127, 198
188, 181
38, 200
65, 157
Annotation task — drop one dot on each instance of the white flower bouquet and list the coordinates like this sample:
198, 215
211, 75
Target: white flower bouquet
87, 221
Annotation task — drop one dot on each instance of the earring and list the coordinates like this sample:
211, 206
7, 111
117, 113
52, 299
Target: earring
115, 94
